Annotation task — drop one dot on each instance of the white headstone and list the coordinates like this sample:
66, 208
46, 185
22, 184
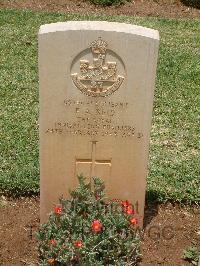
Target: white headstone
96, 98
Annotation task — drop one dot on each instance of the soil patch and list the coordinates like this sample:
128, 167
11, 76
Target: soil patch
155, 8
168, 230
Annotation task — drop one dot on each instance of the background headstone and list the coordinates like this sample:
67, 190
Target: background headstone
96, 97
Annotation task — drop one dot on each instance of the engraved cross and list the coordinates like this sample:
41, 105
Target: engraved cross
92, 164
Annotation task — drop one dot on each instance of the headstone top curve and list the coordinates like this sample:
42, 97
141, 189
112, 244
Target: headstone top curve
101, 26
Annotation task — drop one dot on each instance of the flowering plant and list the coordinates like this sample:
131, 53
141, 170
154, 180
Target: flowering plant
88, 230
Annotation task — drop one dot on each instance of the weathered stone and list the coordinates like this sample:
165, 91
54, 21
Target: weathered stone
96, 97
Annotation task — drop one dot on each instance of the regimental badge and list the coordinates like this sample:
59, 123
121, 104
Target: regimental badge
98, 79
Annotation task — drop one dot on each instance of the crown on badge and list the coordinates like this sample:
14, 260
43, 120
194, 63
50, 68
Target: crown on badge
99, 46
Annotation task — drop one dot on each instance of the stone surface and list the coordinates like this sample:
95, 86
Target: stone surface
96, 98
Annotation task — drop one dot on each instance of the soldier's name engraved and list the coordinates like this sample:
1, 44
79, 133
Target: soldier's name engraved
95, 108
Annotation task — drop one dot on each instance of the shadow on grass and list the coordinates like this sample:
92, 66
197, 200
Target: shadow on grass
150, 211
153, 200
192, 3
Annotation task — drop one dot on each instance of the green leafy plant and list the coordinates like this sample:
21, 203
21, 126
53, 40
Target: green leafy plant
108, 2
87, 230
192, 255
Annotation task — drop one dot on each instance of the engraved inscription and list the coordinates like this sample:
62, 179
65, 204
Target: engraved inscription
94, 118
82, 128
98, 79
107, 104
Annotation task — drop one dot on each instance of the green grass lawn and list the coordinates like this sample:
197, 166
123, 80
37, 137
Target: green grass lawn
175, 146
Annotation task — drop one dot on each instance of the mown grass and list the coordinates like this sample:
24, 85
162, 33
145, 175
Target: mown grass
174, 170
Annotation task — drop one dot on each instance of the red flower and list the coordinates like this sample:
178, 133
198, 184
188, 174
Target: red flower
134, 221
96, 226
125, 203
78, 244
53, 242
57, 210
129, 210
